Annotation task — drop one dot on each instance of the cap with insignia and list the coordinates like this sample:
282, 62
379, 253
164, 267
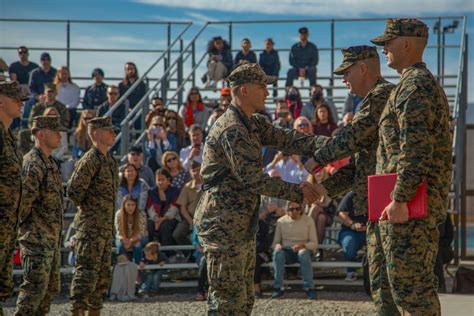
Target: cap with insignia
49, 122
101, 123
401, 27
353, 54
249, 73
12, 90
49, 86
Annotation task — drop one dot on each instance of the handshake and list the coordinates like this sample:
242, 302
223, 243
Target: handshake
314, 193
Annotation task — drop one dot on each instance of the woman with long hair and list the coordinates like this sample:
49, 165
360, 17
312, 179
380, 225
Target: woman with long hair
68, 93
130, 227
81, 141
220, 61
175, 127
323, 122
131, 75
131, 184
194, 110
171, 163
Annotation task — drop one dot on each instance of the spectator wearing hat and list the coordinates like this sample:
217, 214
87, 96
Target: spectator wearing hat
135, 157
50, 93
96, 94
270, 62
69, 93
220, 61
245, 55
304, 57
119, 113
38, 78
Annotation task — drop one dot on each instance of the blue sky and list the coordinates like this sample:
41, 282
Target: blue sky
154, 37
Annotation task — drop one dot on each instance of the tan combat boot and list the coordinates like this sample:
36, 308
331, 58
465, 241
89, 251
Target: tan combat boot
94, 312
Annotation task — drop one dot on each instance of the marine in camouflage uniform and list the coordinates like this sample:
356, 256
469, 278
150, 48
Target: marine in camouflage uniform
358, 139
415, 143
41, 221
92, 188
227, 214
10, 184
38, 108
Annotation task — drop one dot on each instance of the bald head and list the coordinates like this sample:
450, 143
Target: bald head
404, 51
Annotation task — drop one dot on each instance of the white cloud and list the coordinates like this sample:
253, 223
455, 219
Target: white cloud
339, 8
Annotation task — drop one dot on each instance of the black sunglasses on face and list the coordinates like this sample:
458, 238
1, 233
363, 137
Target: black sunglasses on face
171, 159
291, 209
22, 52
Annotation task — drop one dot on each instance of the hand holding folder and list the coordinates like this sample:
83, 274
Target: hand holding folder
380, 188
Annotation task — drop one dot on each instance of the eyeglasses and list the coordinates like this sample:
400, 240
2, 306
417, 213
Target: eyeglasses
112, 93
22, 52
292, 209
159, 125
135, 154
171, 159
157, 105
303, 125
46, 59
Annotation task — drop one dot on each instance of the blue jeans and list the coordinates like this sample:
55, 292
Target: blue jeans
151, 280
137, 249
351, 241
286, 255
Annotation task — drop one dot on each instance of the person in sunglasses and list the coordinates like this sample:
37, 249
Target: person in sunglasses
20, 70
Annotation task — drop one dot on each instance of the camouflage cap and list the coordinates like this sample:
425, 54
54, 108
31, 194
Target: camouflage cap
12, 90
49, 122
101, 123
249, 73
353, 54
401, 27
49, 86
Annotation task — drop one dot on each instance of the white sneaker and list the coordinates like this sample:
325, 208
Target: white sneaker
350, 277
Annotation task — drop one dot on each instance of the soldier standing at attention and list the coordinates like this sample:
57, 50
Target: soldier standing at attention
415, 143
360, 69
10, 184
227, 214
93, 187
41, 220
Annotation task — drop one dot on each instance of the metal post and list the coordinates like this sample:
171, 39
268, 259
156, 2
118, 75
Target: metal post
180, 74
125, 133
439, 48
442, 57
331, 81
169, 40
164, 82
230, 34
463, 145
193, 61
68, 44
145, 107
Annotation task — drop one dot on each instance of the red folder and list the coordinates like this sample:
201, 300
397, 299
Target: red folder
380, 190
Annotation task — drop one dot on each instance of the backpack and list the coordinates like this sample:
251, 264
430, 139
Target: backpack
464, 281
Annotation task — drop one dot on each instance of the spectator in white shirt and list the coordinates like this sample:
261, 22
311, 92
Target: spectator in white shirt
289, 167
193, 151
68, 93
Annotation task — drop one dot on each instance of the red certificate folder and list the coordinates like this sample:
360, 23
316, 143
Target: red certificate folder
380, 190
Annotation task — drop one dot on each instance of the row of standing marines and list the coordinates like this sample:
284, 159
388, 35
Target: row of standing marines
399, 128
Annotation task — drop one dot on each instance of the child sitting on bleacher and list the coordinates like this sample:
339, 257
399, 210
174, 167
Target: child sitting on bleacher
151, 277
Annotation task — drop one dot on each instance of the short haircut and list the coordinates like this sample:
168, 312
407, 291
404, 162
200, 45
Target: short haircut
152, 248
163, 172
193, 128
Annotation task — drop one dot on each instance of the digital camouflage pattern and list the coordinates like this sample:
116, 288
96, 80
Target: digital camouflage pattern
249, 73
49, 122
39, 108
415, 143
101, 123
41, 221
401, 27
353, 54
92, 188
10, 197
12, 90
359, 140
227, 214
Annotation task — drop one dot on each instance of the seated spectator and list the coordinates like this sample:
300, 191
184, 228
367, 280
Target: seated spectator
317, 98
193, 151
135, 157
295, 241
151, 278
303, 125
172, 164
124, 277
130, 227
304, 57
119, 113
187, 201
270, 62
284, 118
175, 127
220, 61
131, 75
20, 70
289, 167
38, 78
194, 111
158, 141
63, 148
262, 245
69, 93
131, 184
353, 232
245, 55
224, 103
81, 141
95, 94
162, 209
293, 99
157, 109
323, 123
347, 119
50, 101
202, 267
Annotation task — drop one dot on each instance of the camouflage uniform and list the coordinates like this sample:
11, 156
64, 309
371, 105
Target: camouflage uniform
41, 221
360, 138
227, 214
38, 108
93, 187
415, 143
10, 196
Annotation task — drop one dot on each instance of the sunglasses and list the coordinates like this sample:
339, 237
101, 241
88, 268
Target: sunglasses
45, 59
112, 93
159, 125
22, 52
171, 159
292, 209
135, 154
303, 125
